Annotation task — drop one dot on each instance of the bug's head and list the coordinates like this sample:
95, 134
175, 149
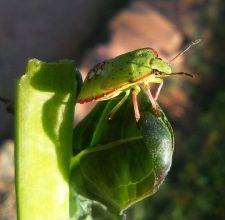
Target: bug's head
160, 67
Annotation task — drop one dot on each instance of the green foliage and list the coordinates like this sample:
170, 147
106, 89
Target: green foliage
116, 162
44, 115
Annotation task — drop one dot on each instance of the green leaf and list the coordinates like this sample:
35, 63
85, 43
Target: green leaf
44, 121
119, 162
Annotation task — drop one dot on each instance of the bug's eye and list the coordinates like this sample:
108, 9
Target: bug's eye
156, 72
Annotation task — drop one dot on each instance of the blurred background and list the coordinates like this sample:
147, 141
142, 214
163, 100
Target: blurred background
90, 31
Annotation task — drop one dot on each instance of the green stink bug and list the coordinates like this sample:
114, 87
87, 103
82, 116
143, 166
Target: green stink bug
127, 73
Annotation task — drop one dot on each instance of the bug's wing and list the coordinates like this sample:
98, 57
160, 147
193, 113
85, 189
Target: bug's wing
126, 69
91, 88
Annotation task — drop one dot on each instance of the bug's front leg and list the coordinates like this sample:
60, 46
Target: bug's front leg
150, 96
135, 91
158, 91
151, 99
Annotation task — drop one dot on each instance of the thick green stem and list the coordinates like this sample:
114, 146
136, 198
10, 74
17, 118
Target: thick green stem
44, 120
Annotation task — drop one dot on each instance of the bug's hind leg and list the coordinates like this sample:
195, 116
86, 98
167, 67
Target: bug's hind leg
135, 105
118, 105
135, 90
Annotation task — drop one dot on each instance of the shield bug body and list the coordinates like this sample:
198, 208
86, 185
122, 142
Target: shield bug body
126, 73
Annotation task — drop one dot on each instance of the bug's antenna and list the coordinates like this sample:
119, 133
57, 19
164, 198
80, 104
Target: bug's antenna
186, 49
182, 73
179, 73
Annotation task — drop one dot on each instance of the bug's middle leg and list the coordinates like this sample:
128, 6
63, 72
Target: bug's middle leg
135, 91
